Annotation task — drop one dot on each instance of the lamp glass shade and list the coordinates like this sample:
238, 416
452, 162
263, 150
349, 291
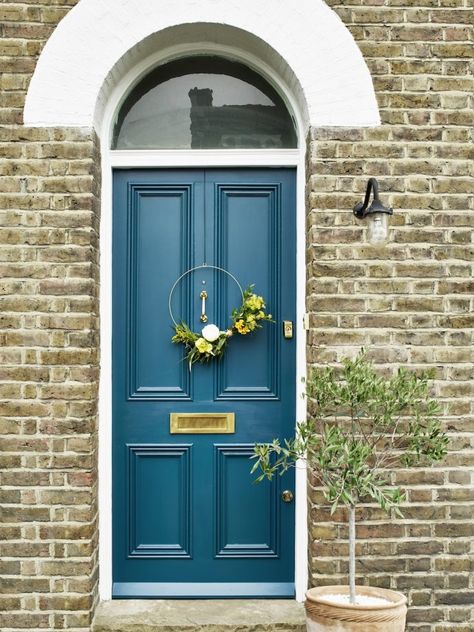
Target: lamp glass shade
377, 229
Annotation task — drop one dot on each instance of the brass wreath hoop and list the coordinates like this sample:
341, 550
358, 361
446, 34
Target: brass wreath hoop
200, 267
212, 341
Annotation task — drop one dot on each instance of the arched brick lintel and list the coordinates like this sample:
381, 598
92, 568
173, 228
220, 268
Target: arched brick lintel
304, 43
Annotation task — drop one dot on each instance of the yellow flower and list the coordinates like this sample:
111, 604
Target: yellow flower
260, 315
255, 302
250, 318
203, 346
241, 327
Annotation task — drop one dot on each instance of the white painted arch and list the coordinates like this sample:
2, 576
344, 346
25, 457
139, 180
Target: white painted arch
98, 42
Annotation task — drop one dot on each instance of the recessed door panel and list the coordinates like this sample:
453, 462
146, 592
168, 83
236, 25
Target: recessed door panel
255, 531
154, 532
159, 224
248, 217
189, 520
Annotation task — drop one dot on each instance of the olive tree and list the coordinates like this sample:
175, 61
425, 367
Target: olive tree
361, 426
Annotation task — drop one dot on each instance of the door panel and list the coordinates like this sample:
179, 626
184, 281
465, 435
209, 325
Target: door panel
188, 519
152, 531
255, 532
248, 216
157, 215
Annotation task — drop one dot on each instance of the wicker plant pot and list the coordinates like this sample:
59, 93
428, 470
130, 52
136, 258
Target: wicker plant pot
326, 616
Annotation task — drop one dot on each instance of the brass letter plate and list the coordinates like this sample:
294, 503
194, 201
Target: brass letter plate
202, 423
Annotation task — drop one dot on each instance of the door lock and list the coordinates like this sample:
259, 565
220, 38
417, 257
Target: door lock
287, 329
287, 496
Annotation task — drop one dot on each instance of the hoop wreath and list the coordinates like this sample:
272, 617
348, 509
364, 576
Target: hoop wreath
211, 342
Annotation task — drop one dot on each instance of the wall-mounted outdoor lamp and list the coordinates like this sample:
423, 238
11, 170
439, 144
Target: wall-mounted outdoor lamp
376, 214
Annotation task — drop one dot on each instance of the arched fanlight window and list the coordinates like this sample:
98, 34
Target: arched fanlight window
203, 103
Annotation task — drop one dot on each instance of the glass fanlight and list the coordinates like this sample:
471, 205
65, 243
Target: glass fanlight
203, 102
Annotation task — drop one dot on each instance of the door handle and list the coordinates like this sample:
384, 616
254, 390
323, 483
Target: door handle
287, 496
203, 297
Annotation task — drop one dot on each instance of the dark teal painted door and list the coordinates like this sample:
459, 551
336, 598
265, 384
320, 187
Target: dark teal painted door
188, 520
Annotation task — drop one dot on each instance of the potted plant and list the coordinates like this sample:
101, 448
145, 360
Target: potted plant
361, 425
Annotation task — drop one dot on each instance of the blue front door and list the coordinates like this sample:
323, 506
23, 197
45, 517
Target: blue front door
188, 519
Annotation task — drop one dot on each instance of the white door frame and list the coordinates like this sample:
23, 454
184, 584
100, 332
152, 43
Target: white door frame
180, 159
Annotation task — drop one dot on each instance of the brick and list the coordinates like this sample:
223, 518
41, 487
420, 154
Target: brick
24, 514
66, 357
9, 603
25, 478
29, 585
24, 621
455, 597
23, 409
66, 532
416, 34
26, 550
65, 569
69, 602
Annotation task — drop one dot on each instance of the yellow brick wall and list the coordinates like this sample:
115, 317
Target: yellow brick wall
410, 304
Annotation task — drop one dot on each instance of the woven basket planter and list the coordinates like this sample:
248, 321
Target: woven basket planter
326, 616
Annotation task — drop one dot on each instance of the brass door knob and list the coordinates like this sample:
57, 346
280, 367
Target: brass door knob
287, 496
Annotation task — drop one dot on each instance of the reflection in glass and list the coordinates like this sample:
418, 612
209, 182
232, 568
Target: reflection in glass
203, 103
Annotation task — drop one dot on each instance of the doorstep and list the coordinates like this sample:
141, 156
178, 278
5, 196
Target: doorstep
203, 615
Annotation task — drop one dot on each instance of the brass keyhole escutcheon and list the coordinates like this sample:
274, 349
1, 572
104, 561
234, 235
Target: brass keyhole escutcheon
287, 496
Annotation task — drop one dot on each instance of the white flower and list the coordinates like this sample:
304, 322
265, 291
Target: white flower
211, 333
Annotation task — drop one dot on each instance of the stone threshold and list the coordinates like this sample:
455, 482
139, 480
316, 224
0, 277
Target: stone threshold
199, 615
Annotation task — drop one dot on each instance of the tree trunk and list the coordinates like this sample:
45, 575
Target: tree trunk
352, 545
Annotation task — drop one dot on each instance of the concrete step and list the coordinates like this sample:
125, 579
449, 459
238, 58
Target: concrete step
231, 615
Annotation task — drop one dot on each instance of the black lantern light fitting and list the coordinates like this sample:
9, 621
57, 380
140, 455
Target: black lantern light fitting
377, 214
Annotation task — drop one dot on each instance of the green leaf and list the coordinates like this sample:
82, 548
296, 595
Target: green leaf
362, 423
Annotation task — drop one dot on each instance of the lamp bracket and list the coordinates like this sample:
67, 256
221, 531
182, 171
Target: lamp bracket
362, 209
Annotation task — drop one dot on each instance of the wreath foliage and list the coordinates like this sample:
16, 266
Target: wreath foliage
211, 342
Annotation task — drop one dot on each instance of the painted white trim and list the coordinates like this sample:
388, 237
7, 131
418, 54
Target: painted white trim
188, 158
306, 42
105, 384
301, 488
206, 158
